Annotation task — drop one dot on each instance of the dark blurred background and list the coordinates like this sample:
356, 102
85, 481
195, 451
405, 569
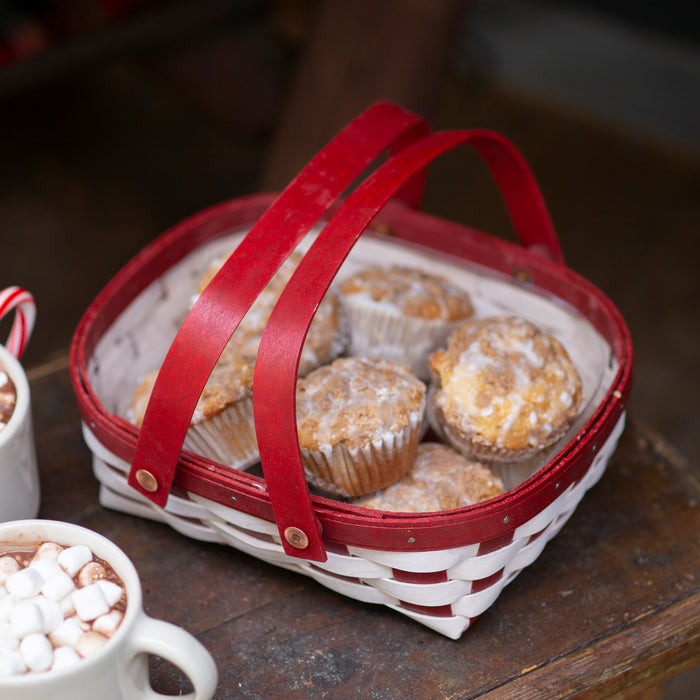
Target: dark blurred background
120, 117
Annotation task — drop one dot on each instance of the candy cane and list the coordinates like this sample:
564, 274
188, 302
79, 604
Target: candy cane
25, 312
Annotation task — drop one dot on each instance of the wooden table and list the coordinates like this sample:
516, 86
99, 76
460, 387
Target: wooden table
612, 606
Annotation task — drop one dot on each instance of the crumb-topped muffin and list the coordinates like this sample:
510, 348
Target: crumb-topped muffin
222, 427
323, 342
359, 424
440, 479
504, 389
401, 314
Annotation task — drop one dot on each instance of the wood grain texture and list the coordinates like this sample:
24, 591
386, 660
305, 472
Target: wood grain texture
99, 163
611, 606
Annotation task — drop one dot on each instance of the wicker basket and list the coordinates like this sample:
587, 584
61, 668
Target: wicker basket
442, 569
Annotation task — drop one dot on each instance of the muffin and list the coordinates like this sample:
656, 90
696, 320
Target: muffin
440, 479
323, 342
401, 314
359, 424
222, 427
504, 390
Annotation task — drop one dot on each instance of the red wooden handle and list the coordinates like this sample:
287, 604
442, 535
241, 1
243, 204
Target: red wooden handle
277, 361
220, 308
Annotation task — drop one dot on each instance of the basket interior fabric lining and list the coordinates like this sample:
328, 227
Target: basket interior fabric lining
138, 340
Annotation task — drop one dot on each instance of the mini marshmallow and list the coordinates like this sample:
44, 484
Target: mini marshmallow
37, 652
66, 634
67, 607
85, 626
51, 613
111, 591
90, 643
90, 602
12, 664
26, 583
47, 568
64, 657
8, 566
48, 550
8, 640
7, 604
74, 558
26, 619
58, 587
92, 572
107, 624
47, 605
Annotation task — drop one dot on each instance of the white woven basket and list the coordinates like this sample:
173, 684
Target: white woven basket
441, 569
472, 581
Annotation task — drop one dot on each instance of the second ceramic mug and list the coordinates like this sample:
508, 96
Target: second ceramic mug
19, 476
119, 670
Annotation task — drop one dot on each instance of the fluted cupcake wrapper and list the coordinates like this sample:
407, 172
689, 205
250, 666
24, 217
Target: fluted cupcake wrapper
384, 334
346, 472
512, 466
309, 361
227, 438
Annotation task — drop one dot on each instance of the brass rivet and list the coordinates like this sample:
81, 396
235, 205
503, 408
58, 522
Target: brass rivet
383, 228
147, 481
296, 537
522, 274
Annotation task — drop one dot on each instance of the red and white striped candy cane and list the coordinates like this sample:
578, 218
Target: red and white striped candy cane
22, 302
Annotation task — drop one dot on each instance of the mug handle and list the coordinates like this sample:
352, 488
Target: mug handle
22, 302
180, 648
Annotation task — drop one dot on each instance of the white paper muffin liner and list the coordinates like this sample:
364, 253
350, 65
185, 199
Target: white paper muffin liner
342, 471
512, 466
309, 360
330, 341
382, 333
227, 438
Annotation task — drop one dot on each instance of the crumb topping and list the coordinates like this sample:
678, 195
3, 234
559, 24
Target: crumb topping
506, 384
230, 381
355, 401
440, 479
411, 292
320, 344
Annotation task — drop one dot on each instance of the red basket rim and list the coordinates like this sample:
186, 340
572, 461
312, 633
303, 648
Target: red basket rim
343, 523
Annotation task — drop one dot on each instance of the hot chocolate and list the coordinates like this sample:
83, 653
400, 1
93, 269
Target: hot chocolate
58, 605
8, 397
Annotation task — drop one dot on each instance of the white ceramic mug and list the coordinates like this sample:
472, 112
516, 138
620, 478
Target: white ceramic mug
19, 476
119, 670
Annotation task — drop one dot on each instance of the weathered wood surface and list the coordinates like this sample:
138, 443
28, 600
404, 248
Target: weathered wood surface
611, 605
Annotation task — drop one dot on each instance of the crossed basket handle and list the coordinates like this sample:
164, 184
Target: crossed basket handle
215, 316
219, 309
